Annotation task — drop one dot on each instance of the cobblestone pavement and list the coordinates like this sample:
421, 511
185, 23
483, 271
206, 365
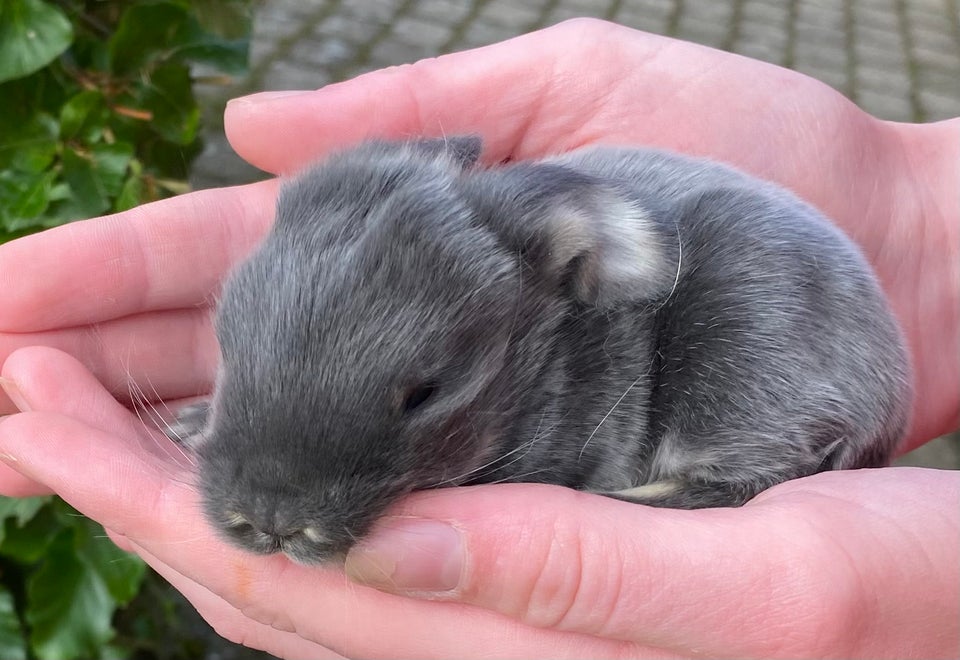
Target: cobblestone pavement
898, 59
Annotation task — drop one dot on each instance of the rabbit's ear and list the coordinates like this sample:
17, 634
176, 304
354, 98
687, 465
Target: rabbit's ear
463, 150
581, 233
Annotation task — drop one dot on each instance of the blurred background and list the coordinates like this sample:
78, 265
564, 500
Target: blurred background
106, 105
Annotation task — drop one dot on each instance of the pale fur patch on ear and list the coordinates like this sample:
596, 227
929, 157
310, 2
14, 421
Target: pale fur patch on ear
624, 256
571, 236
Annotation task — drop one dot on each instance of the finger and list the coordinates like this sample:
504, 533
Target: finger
380, 631
146, 357
47, 380
128, 494
498, 91
556, 558
119, 540
528, 97
14, 484
165, 255
232, 624
42, 379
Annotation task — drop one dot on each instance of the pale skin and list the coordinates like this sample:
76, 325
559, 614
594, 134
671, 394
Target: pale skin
855, 564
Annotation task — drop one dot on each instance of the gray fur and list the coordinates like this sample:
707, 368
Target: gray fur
606, 320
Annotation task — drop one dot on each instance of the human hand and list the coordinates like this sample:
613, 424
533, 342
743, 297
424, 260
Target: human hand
129, 294
841, 564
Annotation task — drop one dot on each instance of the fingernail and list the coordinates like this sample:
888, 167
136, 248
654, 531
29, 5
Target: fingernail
268, 96
13, 391
408, 555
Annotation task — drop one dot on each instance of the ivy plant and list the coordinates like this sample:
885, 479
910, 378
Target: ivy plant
97, 114
98, 111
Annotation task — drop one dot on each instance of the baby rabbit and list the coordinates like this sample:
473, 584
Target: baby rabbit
625, 321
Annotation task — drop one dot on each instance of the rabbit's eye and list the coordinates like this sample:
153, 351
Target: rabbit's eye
417, 396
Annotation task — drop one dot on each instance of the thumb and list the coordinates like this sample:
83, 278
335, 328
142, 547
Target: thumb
731, 582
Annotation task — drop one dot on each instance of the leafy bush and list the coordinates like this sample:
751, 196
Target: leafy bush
97, 115
98, 112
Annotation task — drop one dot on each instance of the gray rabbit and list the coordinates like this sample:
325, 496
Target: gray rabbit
625, 321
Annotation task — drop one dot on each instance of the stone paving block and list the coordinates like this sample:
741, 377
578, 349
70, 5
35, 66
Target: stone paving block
513, 15
772, 12
430, 35
563, 10
868, 39
591, 6
560, 13
878, 14
285, 74
713, 33
827, 61
940, 81
272, 27
447, 12
938, 105
761, 40
836, 78
834, 36
939, 39
323, 51
759, 50
813, 53
392, 51
713, 11
929, 12
894, 82
294, 9
377, 11
352, 29
925, 55
885, 106
260, 51
824, 14
482, 33
651, 16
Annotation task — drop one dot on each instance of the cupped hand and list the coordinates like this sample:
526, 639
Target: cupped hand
853, 564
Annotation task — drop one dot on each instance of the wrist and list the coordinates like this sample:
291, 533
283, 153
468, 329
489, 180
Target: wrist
923, 184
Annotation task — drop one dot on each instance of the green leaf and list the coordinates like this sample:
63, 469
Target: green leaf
144, 33
25, 197
120, 571
69, 607
28, 543
83, 108
111, 162
13, 646
32, 34
130, 195
230, 19
176, 116
95, 178
21, 508
89, 197
27, 145
193, 43
228, 56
